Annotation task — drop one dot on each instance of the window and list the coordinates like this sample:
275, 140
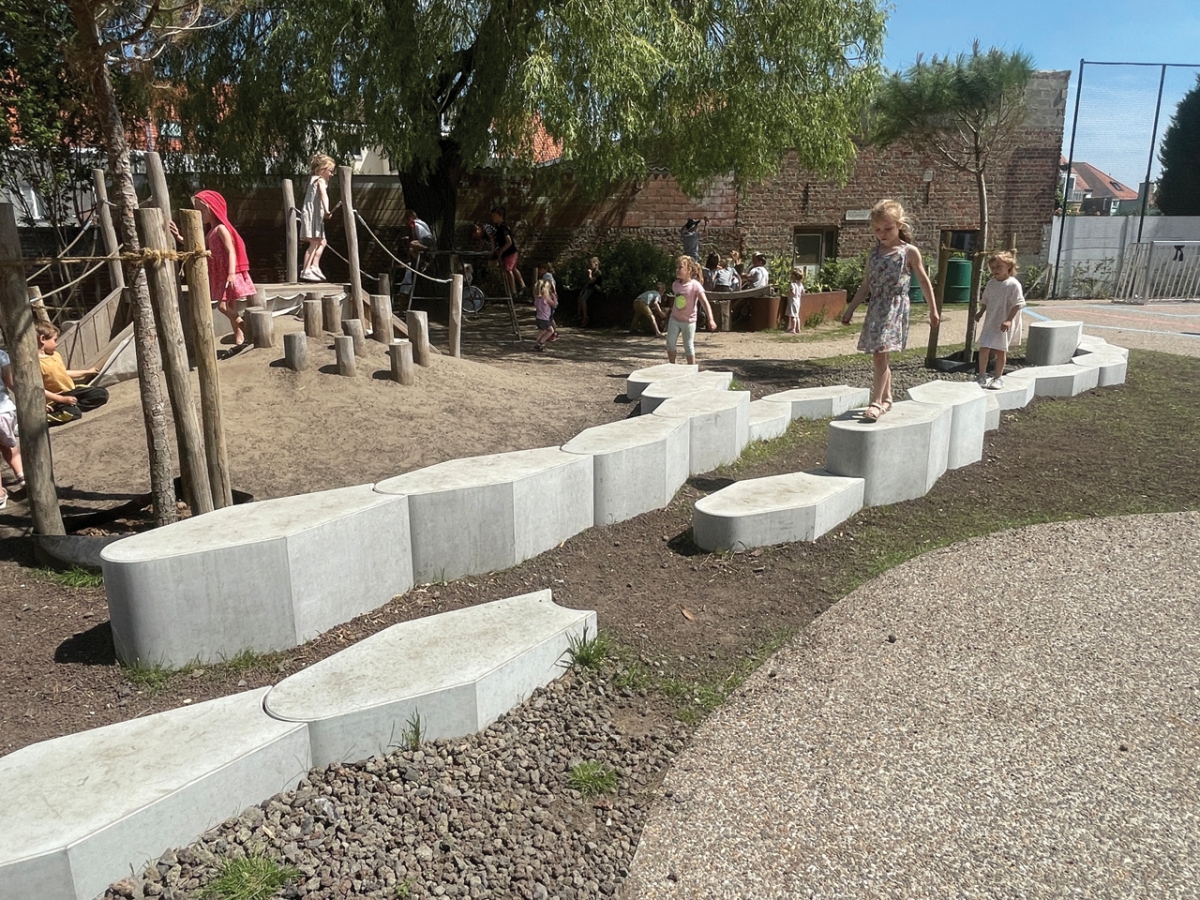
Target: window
812, 246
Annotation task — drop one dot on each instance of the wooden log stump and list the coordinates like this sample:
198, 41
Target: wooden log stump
312, 316
331, 313
385, 284
262, 328
260, 297
402, 361
418, 333
381, 318
354, 329
343, 346
295, 350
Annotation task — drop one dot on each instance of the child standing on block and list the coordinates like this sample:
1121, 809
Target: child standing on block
313, 214
793, 307
891, 266
1000, 309
65, 401
689, 294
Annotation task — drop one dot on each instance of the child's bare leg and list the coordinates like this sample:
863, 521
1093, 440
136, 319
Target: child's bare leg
310, 253
881, 382
229, 310
1001, 359
984, 358
320, 248
12, 456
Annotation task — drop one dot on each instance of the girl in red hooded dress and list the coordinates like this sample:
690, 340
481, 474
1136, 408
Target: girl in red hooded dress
228, 266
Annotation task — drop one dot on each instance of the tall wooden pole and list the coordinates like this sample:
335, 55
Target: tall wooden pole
939, 291
161, 278
289, 229
107, 232
456, 292
28, 393
160, 197
199, 307
356, 294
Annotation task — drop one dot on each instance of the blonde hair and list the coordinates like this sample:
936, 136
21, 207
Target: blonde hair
798, 275
1007, 257
891, 209
45, 330
544, 288
320, 161
693, 268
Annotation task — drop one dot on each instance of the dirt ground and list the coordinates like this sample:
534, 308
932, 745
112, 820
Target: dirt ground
667, 603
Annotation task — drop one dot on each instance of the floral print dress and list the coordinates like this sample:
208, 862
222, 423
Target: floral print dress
886, 325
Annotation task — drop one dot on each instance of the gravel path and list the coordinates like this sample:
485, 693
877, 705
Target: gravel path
1013, 716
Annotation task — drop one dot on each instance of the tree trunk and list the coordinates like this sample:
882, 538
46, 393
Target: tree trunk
978, 263
434, 195
94, 69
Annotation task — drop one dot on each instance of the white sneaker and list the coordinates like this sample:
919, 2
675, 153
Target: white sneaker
309, 275
320, 275
996, 384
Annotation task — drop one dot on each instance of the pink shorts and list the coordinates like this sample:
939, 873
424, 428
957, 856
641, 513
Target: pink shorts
509, 262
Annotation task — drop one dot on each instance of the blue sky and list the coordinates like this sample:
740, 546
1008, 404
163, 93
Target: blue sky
1116, 115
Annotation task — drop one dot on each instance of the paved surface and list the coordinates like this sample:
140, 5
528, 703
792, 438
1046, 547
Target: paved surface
1033, 730
1168, 327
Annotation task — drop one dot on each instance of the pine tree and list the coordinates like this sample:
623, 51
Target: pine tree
1179, 185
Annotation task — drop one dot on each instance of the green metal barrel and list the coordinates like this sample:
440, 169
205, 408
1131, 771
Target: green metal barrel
958, 281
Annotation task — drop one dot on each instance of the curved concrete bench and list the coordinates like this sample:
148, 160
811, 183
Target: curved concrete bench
821, 402
638, 381
992, 422
1017, 392
483, 513
768, 420
900, 457
660, 391
969, 407
638, 464
1066, 380
797, 506
1052, 343
1111, 365
261, 576
720, 426
458, 671
80, 811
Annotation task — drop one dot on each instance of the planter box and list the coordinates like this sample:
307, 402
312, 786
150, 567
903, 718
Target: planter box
831, 304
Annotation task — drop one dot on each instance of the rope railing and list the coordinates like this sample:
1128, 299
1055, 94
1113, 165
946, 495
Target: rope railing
82, 232
401, 262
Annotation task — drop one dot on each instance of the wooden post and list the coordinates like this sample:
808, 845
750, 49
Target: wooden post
939, 291
28, 394
160, 197
260, 297
402, 361
343, 346
295, 350
37, 305
354, 329
116, 274
385, 284
204, 345
381, 318
289, 229
418, 332
456, 291
161, 277
331, 313
262, 328
312, 315
356, 292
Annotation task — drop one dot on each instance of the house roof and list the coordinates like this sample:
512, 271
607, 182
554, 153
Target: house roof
1100, 184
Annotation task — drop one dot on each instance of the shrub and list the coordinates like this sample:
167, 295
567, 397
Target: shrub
629, 267
840, 275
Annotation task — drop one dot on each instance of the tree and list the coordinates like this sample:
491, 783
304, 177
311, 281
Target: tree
1179, 184
704, 88
963, 112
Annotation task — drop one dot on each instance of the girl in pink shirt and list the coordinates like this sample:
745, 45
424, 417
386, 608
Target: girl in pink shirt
687, 293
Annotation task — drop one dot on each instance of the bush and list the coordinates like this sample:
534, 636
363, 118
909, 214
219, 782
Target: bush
840, 275
630, 267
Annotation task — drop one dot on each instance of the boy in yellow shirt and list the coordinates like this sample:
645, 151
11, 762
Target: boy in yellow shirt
65, 402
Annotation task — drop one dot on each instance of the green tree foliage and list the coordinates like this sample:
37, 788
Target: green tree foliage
962, 111
704, 88
1179, 185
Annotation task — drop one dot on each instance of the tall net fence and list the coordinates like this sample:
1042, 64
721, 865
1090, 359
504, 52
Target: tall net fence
1108, 222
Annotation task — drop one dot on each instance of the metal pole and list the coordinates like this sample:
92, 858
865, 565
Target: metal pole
1150, 161
1062, 226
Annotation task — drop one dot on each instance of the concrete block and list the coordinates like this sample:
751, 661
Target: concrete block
459, 671
259, 576
821, 402
720, 426
900, 457
968, 406
1052, 343
483, 513
1058, 381
1017, 391
768, 420
1112, 366
993, 413
797, 506
641, 379
637, 464
656, 393
80, 811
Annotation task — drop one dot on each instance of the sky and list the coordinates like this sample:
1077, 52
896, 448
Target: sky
1116, 112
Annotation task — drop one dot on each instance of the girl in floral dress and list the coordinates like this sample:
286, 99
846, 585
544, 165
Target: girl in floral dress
890, 267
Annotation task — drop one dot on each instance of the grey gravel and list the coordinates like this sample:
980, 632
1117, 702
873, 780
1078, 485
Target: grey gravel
1033, 730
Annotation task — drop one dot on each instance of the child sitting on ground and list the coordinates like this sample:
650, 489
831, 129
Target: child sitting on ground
65, 402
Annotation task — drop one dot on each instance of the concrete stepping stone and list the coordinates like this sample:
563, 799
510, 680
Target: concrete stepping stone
720, 426
1066, 380
458, 671
1017, 392
968, 406
1112, 366
638, 464
483, 513
80, 811
1052, 343
900, 457
821, 402
258, 576
768, 420
638, 381
992, 423
656, 393
758, 512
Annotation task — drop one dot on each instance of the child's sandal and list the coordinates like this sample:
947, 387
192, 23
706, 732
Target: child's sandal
873, 412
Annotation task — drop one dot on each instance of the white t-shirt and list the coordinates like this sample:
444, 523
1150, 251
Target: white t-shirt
757, 277
6, 402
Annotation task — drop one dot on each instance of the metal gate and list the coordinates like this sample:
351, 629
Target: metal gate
1160, 270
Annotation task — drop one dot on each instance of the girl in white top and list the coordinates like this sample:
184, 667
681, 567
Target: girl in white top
1000, 309
793, 307
313, 214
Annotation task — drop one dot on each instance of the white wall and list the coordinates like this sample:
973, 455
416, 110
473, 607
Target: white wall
1094, 247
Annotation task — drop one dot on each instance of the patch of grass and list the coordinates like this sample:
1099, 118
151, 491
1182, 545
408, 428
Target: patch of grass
592, 779
149, 679
402, 890
815, 319
587, 653
696, 696
74, 577
735, 385
414, 732
251, 878
760, 451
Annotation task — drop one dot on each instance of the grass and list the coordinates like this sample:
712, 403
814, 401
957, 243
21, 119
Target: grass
148, 679
760, 451
74, 577
697, 695
587, 653
592, 779
413, 733
251, 878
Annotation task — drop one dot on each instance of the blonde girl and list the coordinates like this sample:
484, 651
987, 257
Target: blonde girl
793, 307
1000, 309
313, 213
893, 263
688, 295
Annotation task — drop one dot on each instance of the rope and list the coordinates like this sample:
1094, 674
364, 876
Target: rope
94, 268
82, 232
363, 274
358, 216
146, 254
